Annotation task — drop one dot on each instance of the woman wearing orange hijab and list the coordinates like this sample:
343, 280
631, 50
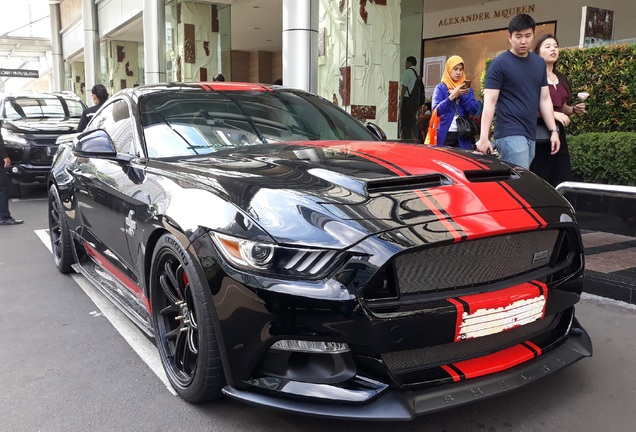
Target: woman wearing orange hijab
453, 97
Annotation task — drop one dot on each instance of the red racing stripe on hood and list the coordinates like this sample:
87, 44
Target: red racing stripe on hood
424, 195
488, 202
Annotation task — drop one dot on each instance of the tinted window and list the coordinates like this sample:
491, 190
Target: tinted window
115, 119
190, 123
42, 107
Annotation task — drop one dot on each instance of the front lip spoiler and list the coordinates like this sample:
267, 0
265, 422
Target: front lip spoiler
406, 405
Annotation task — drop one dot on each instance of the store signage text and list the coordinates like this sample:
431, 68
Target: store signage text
482, 16
19, 73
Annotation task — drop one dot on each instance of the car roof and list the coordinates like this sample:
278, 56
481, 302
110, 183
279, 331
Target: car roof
200, 86
42, 94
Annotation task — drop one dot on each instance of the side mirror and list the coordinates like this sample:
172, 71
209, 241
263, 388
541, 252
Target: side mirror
376, 130
95, 144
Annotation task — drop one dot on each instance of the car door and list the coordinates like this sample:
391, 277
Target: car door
103, 192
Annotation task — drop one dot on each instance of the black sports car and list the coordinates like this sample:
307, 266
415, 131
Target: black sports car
281, 254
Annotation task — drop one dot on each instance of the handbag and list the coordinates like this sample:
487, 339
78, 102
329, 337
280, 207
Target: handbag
543, 133
433, 125
466, 127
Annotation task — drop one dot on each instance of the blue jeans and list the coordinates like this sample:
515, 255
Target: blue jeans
516, 149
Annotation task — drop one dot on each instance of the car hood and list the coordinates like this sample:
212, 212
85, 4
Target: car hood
337, 193
46, 125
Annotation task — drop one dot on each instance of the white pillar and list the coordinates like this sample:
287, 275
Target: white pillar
300, 44
154, 22
57, 83
91, 47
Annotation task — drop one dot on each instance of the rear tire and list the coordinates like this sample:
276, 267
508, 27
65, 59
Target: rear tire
59, 233
183, 324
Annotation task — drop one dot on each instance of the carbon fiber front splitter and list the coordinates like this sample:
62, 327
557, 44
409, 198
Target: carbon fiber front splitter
405, 405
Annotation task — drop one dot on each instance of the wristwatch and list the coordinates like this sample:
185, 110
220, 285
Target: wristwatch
554, 130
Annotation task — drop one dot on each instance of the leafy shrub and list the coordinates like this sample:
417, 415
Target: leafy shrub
607, 74
608, 158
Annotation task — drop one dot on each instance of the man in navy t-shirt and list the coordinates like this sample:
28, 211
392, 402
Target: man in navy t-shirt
517, 86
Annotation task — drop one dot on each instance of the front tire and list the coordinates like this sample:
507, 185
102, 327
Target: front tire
59, 233
184, 329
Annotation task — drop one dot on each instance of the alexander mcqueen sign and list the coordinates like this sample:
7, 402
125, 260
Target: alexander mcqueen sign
482, 16
19, 73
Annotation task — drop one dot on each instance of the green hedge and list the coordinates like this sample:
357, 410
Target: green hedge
608, 74
608, 158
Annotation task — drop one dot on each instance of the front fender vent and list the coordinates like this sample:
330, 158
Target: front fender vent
394, 184
489, 175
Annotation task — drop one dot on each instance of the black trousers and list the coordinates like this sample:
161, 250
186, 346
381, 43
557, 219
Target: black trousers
407, 119
452, 139
556, 168
5, 183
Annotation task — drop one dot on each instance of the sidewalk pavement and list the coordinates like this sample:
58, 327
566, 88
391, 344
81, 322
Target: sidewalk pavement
610, 265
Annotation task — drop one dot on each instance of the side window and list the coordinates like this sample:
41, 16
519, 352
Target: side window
115, 119
121, 130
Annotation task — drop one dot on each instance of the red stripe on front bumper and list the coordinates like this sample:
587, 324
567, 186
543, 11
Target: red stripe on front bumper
496, 362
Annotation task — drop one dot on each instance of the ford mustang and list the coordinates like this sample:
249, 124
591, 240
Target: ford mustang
280, 253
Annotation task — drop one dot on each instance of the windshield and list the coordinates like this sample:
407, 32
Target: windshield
188, 123
20, 108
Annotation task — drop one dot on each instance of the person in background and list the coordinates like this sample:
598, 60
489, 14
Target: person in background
517, 86
408, 101
218, 78
555, 168
423, 120
453, 97
5, 185
279, 81
99, 95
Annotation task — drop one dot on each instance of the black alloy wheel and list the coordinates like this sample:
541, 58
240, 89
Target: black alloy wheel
59, 233
184, 330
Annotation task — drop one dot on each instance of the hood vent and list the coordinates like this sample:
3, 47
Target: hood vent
489, 175
394, 184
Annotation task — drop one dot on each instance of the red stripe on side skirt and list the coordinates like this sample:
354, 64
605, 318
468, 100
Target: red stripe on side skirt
121, 277
495, 362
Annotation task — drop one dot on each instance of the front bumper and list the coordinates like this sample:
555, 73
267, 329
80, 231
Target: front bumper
27, 173
405, 405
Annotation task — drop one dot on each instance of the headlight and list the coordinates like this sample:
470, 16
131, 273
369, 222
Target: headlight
13, 138
277, 260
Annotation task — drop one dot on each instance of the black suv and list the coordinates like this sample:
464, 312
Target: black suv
31, 123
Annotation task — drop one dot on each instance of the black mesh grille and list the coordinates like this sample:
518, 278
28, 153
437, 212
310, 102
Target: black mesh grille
471, 348
38, 156
474, 262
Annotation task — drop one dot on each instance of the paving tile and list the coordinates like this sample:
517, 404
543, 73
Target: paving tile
595, 239
609, 262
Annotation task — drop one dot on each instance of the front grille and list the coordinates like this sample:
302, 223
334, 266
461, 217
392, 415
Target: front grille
45, 141
473, 262
38, 156
423, 358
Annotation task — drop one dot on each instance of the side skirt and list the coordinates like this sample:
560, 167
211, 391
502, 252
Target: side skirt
117, 293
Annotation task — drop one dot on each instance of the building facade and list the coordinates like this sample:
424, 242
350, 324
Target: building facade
351, 52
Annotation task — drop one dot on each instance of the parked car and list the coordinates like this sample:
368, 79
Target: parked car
279, 253
31, 123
